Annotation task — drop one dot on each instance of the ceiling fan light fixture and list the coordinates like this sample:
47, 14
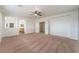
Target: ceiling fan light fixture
35, 14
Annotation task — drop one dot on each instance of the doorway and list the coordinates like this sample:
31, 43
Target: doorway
21, 26
42, 27
21, 29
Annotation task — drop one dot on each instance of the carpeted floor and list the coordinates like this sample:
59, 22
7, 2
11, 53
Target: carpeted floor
38, 43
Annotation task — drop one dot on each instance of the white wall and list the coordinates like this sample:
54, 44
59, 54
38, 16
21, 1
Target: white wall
0, 26
28, 24
10, 31
65, 24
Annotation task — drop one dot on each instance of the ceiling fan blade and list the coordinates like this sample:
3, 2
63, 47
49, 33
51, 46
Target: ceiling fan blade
36, 12
39, 15
40, 12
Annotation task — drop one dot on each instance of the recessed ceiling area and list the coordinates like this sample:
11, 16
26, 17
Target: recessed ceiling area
47, 10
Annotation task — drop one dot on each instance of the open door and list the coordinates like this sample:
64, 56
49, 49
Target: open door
42, 27
21, 29
21, 26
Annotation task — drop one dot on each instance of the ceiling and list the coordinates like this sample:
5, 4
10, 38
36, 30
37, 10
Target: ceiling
47, 10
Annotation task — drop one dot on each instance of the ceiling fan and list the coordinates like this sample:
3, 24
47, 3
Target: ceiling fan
36, 12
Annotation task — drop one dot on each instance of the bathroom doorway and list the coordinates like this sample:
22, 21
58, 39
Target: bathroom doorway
21, 26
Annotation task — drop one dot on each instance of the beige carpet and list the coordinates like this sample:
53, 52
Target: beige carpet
38, 43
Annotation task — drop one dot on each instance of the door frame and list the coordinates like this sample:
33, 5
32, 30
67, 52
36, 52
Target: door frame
40, 27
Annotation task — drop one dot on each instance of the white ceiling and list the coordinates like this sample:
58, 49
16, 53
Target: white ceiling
47, 10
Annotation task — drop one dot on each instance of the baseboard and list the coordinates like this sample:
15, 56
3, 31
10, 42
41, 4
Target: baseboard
9, 35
